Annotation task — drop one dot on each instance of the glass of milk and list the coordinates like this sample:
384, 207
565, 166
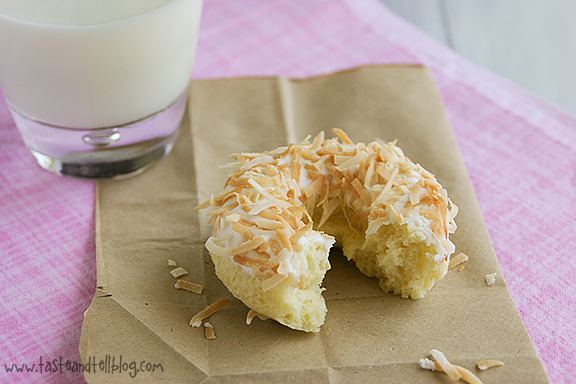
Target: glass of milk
97, 88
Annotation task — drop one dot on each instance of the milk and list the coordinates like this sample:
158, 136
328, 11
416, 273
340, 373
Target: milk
76, 12
95, 63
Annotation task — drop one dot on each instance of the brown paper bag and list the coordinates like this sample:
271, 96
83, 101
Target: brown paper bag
369, 336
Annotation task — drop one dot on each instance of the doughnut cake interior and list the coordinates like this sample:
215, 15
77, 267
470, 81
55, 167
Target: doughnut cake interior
281, 211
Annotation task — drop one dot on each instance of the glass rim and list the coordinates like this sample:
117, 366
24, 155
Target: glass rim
93, 25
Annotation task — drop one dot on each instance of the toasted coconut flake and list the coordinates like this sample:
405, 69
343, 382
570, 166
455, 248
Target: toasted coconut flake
172, 263
414, 197
178, 272
318, 140
247, 155
427, 364
276, 153
324, 192
310, 157
353, 162
342, 136
189, 286
490, 279
300, 232
360, 189
314, 188
327, 210
381, 197
258, 207
310, 205
343, 158
269, 214
231, 165
369, 176
457, 260
266, 223
196, 320
446, 366
257, 160
252, 314
348, 221
273, 281
243, 259
242, 228
267, 195
306, 140
468, 376
487, 364
248, 245
203, 205
232, 218
394, 213
284, 240
465, 374
296, 170
374, 225
289, 222
209, 332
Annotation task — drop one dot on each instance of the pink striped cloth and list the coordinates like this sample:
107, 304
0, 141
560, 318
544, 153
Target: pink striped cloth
520, 153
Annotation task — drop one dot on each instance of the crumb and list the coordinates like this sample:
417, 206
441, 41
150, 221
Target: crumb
490, 279
428, 364
467, 376
196, 320
442, 364
487, 364
178, 272
172, 263
457, 260
189, 286
209, 333
446, 366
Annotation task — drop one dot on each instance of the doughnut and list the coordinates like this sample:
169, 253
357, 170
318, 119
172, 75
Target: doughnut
281, 211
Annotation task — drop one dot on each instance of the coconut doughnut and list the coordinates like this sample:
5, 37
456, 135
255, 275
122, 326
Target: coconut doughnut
282, 210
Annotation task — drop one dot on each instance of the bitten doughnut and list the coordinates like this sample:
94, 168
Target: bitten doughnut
281, 211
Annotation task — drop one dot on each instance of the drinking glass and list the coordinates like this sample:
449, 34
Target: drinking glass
97, 88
